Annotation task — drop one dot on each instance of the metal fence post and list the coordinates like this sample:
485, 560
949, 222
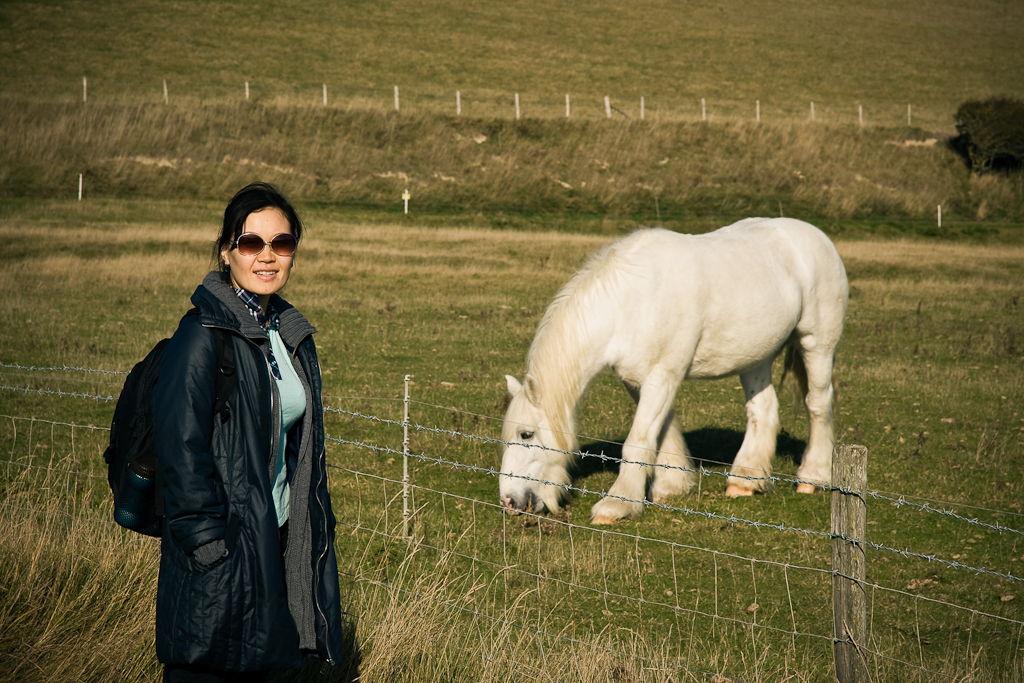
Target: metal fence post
405, 463
849, 523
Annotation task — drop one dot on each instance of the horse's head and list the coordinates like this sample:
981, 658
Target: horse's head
532, 477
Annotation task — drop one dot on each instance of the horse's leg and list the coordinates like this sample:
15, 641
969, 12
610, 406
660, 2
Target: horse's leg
676, 474
626, 496
816, 466
753, 463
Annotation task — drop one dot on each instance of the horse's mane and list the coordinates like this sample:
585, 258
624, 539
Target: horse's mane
557, 359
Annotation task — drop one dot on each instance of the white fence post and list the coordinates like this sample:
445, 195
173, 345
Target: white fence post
247, 91
396, 98
79, 187
703, 111
860, 114
939, 214
85, 89
566, 105
517, 106
458, 103
757, 111
325, 94
165, 91
607, 108
641, 107
849, 525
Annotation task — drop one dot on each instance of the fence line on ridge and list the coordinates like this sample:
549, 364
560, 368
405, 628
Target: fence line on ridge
490, 103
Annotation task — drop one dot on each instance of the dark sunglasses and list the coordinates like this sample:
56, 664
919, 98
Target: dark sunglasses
251, 244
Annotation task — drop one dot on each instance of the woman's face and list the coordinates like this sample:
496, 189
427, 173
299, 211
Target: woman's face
266, 272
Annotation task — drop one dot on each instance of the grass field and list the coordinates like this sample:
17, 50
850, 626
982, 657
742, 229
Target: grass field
931, 381
502, 212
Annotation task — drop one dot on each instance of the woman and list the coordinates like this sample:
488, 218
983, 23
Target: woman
248, 575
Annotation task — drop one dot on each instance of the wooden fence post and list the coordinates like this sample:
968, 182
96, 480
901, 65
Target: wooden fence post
849, 600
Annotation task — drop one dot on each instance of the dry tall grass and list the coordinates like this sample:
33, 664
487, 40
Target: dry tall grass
629, 172
79, 593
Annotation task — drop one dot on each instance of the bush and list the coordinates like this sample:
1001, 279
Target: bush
991, 133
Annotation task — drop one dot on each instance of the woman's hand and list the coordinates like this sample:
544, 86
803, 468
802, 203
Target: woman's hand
211, 552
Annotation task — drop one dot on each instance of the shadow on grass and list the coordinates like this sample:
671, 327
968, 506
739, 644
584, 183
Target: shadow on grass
709, 447
346, 670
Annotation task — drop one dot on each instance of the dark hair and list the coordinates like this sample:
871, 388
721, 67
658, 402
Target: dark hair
252, 199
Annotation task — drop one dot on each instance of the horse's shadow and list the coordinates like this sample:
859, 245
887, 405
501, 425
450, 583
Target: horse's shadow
709, 447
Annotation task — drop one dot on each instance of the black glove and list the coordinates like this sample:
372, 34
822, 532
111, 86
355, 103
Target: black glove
211, 552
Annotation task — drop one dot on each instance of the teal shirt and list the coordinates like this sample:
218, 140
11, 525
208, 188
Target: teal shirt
293, 405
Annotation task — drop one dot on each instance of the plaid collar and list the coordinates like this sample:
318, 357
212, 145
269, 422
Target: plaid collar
252, 303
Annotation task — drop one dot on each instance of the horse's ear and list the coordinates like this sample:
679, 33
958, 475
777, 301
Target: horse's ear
532, 390
514, 387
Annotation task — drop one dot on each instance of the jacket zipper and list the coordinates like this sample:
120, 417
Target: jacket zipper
274, 438
323, 516
275, 421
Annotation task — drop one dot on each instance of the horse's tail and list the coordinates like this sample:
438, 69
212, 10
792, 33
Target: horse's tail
795, 371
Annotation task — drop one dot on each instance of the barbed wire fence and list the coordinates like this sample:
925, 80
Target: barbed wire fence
703, 610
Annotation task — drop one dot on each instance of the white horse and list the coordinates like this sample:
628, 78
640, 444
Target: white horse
659, 307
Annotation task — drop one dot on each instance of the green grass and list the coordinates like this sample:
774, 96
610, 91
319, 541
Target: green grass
930, 379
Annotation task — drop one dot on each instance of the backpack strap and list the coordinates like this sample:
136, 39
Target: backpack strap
227, 379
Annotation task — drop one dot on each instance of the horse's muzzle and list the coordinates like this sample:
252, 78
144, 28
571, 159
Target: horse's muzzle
514, 507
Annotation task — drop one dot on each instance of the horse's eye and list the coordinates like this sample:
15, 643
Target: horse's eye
525, 435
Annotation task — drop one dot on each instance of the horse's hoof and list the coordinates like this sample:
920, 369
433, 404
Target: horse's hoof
603, 520
805, 488
737, 491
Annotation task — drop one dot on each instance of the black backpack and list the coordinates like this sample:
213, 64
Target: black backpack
131, 456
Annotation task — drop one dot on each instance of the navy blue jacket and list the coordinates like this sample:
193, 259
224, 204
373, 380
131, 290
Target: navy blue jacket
247, 610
